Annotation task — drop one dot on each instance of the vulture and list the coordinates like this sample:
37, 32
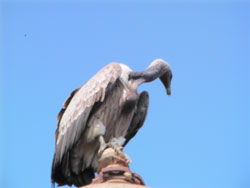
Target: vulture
107, 111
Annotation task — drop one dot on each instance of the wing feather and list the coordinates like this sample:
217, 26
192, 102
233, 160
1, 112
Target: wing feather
74, 115
66, 103
139, 117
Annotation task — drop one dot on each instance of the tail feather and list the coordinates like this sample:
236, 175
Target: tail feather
62, 174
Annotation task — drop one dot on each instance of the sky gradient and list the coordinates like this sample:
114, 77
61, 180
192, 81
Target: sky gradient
197, 138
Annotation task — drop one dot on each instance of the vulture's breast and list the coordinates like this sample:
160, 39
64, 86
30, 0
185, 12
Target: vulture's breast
116, 111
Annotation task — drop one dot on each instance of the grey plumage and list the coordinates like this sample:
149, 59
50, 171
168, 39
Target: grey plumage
107, 105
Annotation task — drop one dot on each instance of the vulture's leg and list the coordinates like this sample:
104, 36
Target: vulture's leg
116, 144
103, 146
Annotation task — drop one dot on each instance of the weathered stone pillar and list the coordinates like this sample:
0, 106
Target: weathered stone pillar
114, 172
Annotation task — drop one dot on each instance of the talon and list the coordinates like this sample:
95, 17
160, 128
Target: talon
114, 145
128, 160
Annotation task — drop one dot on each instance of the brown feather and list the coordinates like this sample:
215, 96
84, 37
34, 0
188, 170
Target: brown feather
72, 120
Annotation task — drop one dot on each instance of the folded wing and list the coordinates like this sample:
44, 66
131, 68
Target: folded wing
74, 115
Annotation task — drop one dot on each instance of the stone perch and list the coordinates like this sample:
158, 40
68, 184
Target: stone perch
114, 172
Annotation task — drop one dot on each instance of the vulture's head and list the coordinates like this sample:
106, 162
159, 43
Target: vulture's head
162, 68
157, 69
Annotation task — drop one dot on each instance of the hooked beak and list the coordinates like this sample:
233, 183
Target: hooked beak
169, 91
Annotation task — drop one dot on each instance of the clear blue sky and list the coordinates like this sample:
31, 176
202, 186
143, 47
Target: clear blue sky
197, 138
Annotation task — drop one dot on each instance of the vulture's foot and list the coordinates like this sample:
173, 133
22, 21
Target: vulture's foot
118, 149
114, 145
